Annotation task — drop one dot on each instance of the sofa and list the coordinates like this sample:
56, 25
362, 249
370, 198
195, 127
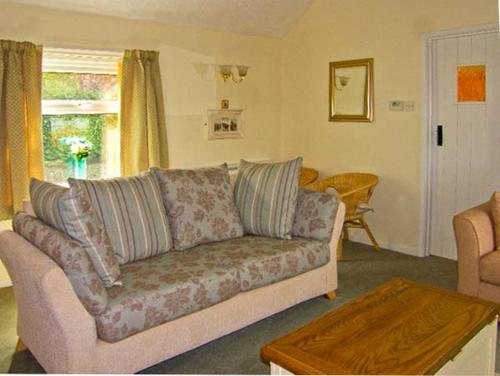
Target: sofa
477, 254
254, 276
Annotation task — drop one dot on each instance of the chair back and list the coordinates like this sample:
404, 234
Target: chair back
307, 176
353, 188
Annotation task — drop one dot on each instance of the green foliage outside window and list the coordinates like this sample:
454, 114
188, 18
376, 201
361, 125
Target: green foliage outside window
83, 86
89, 128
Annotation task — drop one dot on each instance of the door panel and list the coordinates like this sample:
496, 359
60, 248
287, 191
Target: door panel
465, 170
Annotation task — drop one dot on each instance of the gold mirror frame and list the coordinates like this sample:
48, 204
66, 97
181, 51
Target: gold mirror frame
367, 115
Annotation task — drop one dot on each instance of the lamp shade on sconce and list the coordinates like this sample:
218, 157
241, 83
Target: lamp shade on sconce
242, 70
226, 71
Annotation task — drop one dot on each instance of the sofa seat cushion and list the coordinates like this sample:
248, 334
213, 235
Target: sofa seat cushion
164, 287
262, 261
489, 268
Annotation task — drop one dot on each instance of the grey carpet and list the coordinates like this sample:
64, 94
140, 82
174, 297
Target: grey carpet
239, 353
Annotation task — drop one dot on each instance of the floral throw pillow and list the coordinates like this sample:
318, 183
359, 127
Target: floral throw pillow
70, 211
69, 255
200, 205
315, 215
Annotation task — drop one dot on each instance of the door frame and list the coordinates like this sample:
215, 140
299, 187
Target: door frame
427, 129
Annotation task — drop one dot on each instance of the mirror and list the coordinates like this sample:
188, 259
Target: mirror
351, 90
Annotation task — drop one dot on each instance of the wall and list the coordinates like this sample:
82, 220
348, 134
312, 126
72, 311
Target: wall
187, 93
390, 31
287, 114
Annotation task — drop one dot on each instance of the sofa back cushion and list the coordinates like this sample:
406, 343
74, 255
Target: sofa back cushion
132, 213
266, 196
69, 255
200, 205
70, 211
315, 215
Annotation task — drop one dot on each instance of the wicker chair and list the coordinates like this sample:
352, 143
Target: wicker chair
307, 176
355, 190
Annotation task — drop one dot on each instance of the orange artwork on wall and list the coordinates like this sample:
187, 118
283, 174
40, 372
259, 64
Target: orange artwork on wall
471, 83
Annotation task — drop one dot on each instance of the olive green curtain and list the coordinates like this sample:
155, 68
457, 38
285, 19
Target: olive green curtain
21, 154
143, 132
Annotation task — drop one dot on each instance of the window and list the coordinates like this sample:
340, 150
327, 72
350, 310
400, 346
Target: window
80, 106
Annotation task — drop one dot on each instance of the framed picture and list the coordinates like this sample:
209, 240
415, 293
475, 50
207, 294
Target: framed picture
351, 91
224, 124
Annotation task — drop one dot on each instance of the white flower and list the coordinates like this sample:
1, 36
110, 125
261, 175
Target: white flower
75, 148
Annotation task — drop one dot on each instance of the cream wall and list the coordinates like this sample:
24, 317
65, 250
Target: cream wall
390, 31
187, 94
286, 114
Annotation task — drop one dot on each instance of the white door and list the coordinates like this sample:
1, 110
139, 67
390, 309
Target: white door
466, 167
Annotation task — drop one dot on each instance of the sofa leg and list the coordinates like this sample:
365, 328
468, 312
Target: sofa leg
20, 346
332, 295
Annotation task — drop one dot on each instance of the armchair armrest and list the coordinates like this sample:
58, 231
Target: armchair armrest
474, 235
52, 322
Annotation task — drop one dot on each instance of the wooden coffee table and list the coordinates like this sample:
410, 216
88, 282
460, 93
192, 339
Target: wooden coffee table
401, 327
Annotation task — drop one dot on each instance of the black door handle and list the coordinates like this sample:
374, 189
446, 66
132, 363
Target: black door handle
440, 135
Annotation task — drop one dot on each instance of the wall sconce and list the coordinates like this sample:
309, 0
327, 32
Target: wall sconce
342, 81
226, 72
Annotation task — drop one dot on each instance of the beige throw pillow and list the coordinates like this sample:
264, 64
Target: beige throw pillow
495, 212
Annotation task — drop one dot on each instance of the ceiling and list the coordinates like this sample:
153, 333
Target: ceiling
272, 18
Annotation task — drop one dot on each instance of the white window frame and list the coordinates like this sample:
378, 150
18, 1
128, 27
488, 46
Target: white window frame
69, 106
63, 60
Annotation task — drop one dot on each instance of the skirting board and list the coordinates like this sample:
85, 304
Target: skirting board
391, 247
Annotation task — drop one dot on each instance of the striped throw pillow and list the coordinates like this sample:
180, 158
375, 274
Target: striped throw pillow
45, 198
70, 211
266, 196
133, 215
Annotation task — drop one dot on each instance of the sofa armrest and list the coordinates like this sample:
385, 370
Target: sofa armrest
52, 322
475, 238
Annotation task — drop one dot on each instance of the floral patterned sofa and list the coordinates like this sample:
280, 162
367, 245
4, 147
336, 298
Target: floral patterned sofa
166, 304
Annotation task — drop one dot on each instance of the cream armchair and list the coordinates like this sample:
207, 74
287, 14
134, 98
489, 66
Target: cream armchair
478, 259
